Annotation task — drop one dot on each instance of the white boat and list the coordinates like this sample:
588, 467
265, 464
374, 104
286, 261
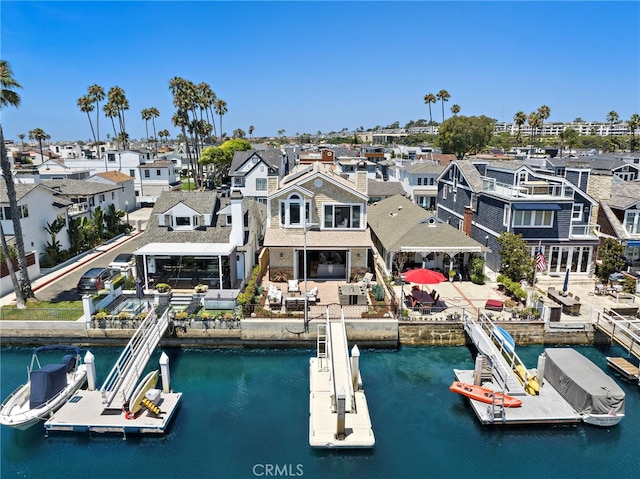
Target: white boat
47, 389
592, 393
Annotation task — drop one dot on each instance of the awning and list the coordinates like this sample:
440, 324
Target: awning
633, 243
536, 206
185, 249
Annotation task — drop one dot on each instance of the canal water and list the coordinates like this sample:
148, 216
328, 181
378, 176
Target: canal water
244, 414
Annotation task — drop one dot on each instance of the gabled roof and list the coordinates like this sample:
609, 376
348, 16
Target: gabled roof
22, 189
115, 176
624, 195
384, 188
470, 173
272, 157
199, 201
304, 173
425, 168
79, 187
401, 225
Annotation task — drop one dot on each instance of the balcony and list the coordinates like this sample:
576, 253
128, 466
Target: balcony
536, 190
587, 231
79, 208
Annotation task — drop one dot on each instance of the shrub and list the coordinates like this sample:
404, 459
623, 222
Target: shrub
129, 283
181, 315
378, 292
163, 287
122, 315
201, 288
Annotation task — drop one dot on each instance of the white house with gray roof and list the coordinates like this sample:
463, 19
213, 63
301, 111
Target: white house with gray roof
201, 237
420, 180
249, 170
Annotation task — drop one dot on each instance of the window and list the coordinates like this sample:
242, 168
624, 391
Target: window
419, 180
632, 222
229, 219
261, 184
147, 174
6, 213
576, 212
291, 211
183, 221
102, 198
132, 173
111, 157
157, 172
532, 218
239, 182
342, 216
444, 192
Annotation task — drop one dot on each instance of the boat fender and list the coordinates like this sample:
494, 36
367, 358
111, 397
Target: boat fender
129, 415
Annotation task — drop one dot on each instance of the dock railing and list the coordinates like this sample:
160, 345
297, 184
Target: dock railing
624, 331
126, 372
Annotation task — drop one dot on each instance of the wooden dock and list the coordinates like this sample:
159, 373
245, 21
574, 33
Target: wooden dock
333, 374
547, 407
85, 412
624, 368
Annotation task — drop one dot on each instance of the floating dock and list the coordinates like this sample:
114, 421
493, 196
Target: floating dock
625, 369
547, 407
338, 411
104, 410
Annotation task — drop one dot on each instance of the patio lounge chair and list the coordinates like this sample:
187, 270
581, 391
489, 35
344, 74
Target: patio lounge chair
366, 279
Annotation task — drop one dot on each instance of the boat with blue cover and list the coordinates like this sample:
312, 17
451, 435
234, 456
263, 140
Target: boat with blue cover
46, 390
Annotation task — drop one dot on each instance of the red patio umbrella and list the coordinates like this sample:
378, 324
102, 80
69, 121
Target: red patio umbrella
423, 276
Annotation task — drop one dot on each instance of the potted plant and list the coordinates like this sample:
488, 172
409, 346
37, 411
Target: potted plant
201, 289
163, 288
452, 274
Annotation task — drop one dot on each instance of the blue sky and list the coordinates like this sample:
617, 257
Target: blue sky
321, 66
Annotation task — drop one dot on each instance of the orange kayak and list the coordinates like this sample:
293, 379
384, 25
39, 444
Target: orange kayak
483, 394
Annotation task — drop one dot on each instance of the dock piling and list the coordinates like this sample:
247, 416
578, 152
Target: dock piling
89, 361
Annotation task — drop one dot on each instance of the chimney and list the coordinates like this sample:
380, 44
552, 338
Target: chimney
466, 221
361, 177
237, 221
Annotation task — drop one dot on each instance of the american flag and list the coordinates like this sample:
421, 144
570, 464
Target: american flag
541, 262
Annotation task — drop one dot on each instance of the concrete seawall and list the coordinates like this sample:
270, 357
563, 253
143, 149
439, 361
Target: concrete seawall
289, 333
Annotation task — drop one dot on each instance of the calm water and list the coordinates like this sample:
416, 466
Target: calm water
245, 411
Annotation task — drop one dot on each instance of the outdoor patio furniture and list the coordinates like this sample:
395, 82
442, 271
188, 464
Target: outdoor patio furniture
295, 303
293, 286
366, 279
274, 295
494, 305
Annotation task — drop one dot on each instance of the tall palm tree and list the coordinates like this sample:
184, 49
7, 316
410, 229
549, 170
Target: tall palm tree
85, 103
96, 93
534, 123
8, 85
633, 124
443, 95
544, 112
430, 98
519, 119
117, 98
22, 136
455, 109
111, 111
146, 116
251, 130
220, 107
612, 117
39, 135
22, 287
206, 98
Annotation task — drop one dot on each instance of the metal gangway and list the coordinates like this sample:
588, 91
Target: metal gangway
126, 372
502, 367
624, 331
337, 349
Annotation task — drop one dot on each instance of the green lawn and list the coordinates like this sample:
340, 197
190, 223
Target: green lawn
43, 311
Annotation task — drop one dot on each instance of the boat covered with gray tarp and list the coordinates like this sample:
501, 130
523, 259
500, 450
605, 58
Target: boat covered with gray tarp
591, 392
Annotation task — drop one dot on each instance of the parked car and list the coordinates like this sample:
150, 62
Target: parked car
123, 262
94, 279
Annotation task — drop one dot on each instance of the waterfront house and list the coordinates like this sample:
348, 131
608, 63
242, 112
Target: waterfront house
619, 218
406, 236
486, 198
201, 237
315, 210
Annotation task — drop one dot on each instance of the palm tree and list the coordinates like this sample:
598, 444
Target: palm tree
430, 98
22, 136
251, 130
111, 111
22, 287
119, 102
612, 117
96, 94
146, 116
39, 135
8, 97
544, 112
455, 109
205, 99
519, 119
85, 103
633, 124
443, 95
220, 106
534, 123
